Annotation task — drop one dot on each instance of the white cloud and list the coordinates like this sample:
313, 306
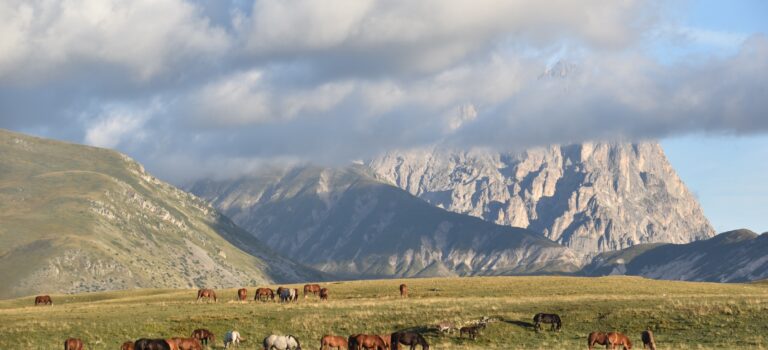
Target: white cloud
115, 125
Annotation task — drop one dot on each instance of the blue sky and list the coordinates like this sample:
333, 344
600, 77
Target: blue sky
216, 88
727, 172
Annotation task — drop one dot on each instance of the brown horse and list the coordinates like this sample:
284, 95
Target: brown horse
333, 341
403, 290
616, 338
648, 341
128, 345
311, 288
242, 294
185, 344
324, 294
203, 335
387, 338
43, 300
408, 338
471, 331
295, 294
264, 294
206, 293
368, 342
73, 344
597, 338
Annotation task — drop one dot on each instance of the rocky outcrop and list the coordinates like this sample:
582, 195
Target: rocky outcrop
345, 222
591, 197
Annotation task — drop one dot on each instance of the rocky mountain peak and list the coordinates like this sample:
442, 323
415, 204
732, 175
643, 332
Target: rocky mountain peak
592, 197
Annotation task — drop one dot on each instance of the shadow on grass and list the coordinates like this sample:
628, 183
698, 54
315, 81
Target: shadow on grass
521, 324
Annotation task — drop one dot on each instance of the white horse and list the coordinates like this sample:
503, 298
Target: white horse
281, 342
232, 338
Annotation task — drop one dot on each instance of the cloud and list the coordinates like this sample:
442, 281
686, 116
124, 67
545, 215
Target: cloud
194, 88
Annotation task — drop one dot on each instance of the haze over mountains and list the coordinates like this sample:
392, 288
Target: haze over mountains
75, 218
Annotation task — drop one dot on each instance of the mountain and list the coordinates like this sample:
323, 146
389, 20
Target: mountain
346, 222
734, 256
591, 197
75, 218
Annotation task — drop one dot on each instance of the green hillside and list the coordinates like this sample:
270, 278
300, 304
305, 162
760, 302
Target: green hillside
75, 218
683, 315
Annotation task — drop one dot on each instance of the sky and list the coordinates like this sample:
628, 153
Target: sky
202, 88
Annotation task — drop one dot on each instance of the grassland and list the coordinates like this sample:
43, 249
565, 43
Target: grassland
683, 315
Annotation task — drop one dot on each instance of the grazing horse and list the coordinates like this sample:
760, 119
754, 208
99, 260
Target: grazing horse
446, 327
333, 341
285, 295
264, 294
403, 290
408, 338
281, 342
352, 342
43, 300
232, 338
597, 338
552, 319
151, 344
184, 344
73, 344
387, 338
311, 288
369, 342
204, 336
616, 338
242, 294
471, 331
648, 341
128, 345
206, 293
295, 294
324, 294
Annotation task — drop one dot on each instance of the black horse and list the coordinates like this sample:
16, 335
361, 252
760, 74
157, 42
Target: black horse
408, 338
552, 319
151, 344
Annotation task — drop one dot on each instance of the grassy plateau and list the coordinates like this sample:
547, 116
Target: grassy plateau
683, 315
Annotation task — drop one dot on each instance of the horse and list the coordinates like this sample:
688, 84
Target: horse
648, 341
281, 342
324, 294
333, 341
311, 288
471, 331
204, 336
446, 327
242, 294
403, 290
184, 344
408, 338
128, 345
151, 344
295, 294
264, 294
73, 344
279, 291
616, 338
597, 338
232, 338
206, 293
552, 319
387, 338
369, 342
286, 295
43, 300
352, 342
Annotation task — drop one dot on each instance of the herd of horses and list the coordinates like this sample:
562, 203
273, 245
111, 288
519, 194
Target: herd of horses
202, 337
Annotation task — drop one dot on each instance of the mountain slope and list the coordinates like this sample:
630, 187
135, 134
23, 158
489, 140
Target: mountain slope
345, 222
589, 197
76, 218
734, 256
